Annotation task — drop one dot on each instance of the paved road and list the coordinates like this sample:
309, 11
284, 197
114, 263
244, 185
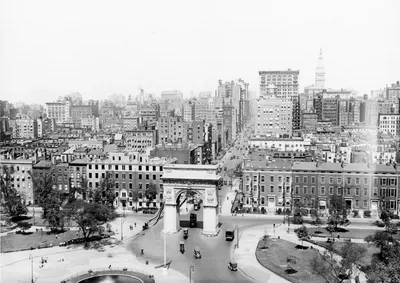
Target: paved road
216, 252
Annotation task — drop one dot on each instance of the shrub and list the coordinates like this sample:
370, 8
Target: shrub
297, 219
279, 211
304, 212
367, 213
255, 209
355, 213
394, 216
263, 210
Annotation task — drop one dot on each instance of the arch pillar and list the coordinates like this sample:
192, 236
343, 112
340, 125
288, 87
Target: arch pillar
171, 218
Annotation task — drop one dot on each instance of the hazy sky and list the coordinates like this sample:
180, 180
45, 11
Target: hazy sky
51, 48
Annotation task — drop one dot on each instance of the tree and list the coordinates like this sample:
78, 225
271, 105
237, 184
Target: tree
135, 198
382, 240
328, 268
43, 186
105, 194
302, 233
12, 200
79, 190
150, 193
265, 239
89, 216
55, 216
386, 268
338, 212
24, 226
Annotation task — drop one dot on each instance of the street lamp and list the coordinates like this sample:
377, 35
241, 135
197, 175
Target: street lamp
191, 269
31, 258
122, 230
165, 270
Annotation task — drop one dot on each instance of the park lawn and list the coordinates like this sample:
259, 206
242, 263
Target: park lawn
275, 259
351, 233
338, 245
17, 242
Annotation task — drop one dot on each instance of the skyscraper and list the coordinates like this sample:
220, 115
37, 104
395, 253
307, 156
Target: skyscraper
320, 73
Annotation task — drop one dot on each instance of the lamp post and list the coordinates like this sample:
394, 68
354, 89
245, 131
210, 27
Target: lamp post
165, 270
237, 232
31, 258
191, 269
122, 230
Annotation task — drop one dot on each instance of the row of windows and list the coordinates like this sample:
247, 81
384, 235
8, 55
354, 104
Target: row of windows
389, 192
122, 185
124, 167
331, 180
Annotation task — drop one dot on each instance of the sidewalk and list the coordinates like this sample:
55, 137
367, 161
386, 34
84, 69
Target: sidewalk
248, 263
66, 261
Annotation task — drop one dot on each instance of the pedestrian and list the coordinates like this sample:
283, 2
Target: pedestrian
186, 209
135, 224
142, 251
338, 237
109, 267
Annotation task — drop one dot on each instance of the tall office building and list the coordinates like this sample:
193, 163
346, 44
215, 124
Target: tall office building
320, 73
286, 83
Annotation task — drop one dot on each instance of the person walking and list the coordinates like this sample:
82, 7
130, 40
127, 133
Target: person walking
109, 267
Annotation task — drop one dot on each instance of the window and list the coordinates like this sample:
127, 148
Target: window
348, 191
322, 190
297, 179
262, 189
393, 182
357, 181
279, 189
140, 167
123, 176
330, 180
103, 175
357, 191
375, 181
116, 185
90, 175
331, 190
147, 168
312, 190
123, 167
130, 185
279, 178
96, 167
90, 166
392, 204
130, 176
305, 190
116, 194
365, 181
313, 180
262, 178
365, 203
262, 200
255, 178
322, 179
365, 190
254, 188
392, 192
348, 181
287, 179
305, 180
271, 189
375, 191
116, 167
272, 178
103, 167
116, 175
383, 181
248, 178
339, 180
123, 185
154, 177
140, 186
130, 167
296, 190
357, 203
247, 188
140, 176
96, 175
147, 177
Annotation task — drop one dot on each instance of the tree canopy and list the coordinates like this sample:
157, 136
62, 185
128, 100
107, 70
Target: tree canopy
105, 194
338, 212
89, 216
302, 233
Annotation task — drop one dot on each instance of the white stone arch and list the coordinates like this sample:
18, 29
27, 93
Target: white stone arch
204, 180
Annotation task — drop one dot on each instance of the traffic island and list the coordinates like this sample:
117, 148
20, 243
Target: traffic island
285, 260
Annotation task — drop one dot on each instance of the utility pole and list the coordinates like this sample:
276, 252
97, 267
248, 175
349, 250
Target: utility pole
237, 231
122, 230
191, 269
31, 258
165, 270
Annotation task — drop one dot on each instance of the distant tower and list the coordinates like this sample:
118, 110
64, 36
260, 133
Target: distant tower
320, 73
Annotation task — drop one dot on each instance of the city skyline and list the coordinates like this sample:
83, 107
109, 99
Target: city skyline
100, 49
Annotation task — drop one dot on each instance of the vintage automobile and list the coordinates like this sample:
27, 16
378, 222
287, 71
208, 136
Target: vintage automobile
196, 253
182, 247
185, 233
232, 266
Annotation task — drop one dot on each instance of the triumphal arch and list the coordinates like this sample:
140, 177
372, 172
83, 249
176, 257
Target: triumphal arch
204, 180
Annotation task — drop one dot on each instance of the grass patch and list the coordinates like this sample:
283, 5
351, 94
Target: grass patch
17, 242
275, 259
337, 246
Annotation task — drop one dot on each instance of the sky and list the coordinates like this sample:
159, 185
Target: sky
52, 48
